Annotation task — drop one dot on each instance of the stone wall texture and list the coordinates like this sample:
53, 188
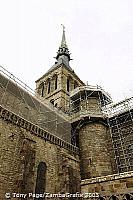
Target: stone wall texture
60, 95
94, 151
21, 152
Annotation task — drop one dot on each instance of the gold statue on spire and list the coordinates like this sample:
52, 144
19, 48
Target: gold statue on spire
63, 42
63, 27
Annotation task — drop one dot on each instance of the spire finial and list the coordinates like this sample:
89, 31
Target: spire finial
63, 42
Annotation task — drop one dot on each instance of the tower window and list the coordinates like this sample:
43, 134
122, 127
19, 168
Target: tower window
56, 82
68, 85
49, 85
41, 89
42, 93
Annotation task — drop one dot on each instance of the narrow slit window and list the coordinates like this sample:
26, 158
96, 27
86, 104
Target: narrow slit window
49, 85
68, 85
56, 78
42, 94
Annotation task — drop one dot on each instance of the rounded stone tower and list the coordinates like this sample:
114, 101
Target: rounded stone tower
94, 152
90, 131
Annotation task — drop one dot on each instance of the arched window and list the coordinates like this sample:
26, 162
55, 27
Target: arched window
49, 85
41, 179
42, 92
56, 79
41, 89
68, 84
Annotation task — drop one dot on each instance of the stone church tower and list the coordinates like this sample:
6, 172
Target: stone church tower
57, 83
64, 89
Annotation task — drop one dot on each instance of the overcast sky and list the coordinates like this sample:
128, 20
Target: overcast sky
99, 35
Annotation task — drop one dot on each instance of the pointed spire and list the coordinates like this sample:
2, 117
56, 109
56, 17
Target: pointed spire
63, 54
63, 42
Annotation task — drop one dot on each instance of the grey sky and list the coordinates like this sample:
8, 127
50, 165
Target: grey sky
99, 35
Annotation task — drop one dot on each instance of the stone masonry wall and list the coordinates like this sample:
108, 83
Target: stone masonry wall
21, 152
60, 95
94, 151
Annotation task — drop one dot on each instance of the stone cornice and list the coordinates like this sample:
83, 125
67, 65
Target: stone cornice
11, 117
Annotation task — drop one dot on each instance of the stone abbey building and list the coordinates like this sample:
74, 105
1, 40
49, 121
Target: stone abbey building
64, 138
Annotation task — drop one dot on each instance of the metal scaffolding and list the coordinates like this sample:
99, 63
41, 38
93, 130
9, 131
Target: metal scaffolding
79, 101
120, 121
85, 104
22, 100
118, 117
